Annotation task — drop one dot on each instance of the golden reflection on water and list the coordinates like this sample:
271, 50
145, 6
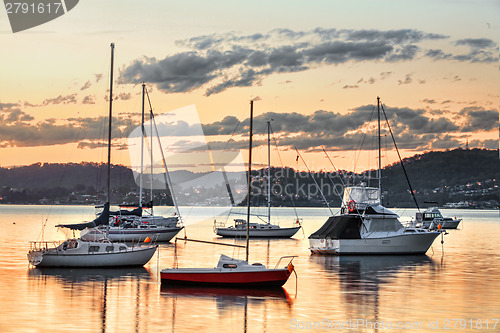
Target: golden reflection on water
459, 280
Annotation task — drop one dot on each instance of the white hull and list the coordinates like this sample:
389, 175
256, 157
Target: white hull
132, 235
447, 224
84, 256
269, 232
417, 243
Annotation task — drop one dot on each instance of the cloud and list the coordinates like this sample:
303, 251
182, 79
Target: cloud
476, 43
477, 118
408, 79
7, 106
417, 129
61, 99
86, 85
123, 96
225, 61
89, 99
98, 77
17, 133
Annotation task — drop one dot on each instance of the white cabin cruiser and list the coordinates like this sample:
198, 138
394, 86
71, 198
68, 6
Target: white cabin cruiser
432, 218
366, 227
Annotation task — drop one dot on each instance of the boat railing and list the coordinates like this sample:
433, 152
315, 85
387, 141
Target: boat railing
219, 225
43, 245
284, 258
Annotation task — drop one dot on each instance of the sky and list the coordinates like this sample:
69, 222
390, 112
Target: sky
315, 68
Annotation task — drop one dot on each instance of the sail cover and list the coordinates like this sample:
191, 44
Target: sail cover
339, 227
102, 219
124, 212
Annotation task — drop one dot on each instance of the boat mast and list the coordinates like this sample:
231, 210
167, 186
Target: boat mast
151, 167
142, 148
379, 154
269, 172
110, 118
249, 182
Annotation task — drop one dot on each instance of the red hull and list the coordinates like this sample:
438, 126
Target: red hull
269, 278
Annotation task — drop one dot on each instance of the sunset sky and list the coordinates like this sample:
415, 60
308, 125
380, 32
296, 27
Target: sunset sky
315, 68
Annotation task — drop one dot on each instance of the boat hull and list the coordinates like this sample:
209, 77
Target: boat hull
255, 279
446, 224
403, 244
134, 234
134, 257
256, 233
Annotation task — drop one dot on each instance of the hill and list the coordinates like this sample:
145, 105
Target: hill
463, 177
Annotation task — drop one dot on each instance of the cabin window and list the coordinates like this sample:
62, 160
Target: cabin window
110, 248
123, 248
93, 248
385, 224
229, 266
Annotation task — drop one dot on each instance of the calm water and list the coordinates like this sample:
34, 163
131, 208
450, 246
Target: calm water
455, 286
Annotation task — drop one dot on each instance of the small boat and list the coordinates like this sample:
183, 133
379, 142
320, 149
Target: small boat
433, 219
231, 272
262, 230
364, 226
84, 253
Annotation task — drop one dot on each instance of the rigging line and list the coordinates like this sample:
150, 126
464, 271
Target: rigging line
334, 168
319, 188
400, 160
166, 175
362, 142
281, 162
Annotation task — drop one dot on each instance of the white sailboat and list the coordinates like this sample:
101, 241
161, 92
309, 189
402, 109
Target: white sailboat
84, 253
366, 227
263, 230
134, 226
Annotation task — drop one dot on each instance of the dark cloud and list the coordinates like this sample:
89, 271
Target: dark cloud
476, 43
486, 144
51, 132
415, 129
229, 60
446, 142
477, 118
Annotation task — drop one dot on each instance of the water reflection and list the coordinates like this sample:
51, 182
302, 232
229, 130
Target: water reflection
98, 291
238, 308
365, 280
82, 275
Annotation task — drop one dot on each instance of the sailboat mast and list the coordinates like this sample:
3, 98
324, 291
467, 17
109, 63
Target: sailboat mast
249, 182
141, 176
269, 172
151, 166
110, 119
379, 153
